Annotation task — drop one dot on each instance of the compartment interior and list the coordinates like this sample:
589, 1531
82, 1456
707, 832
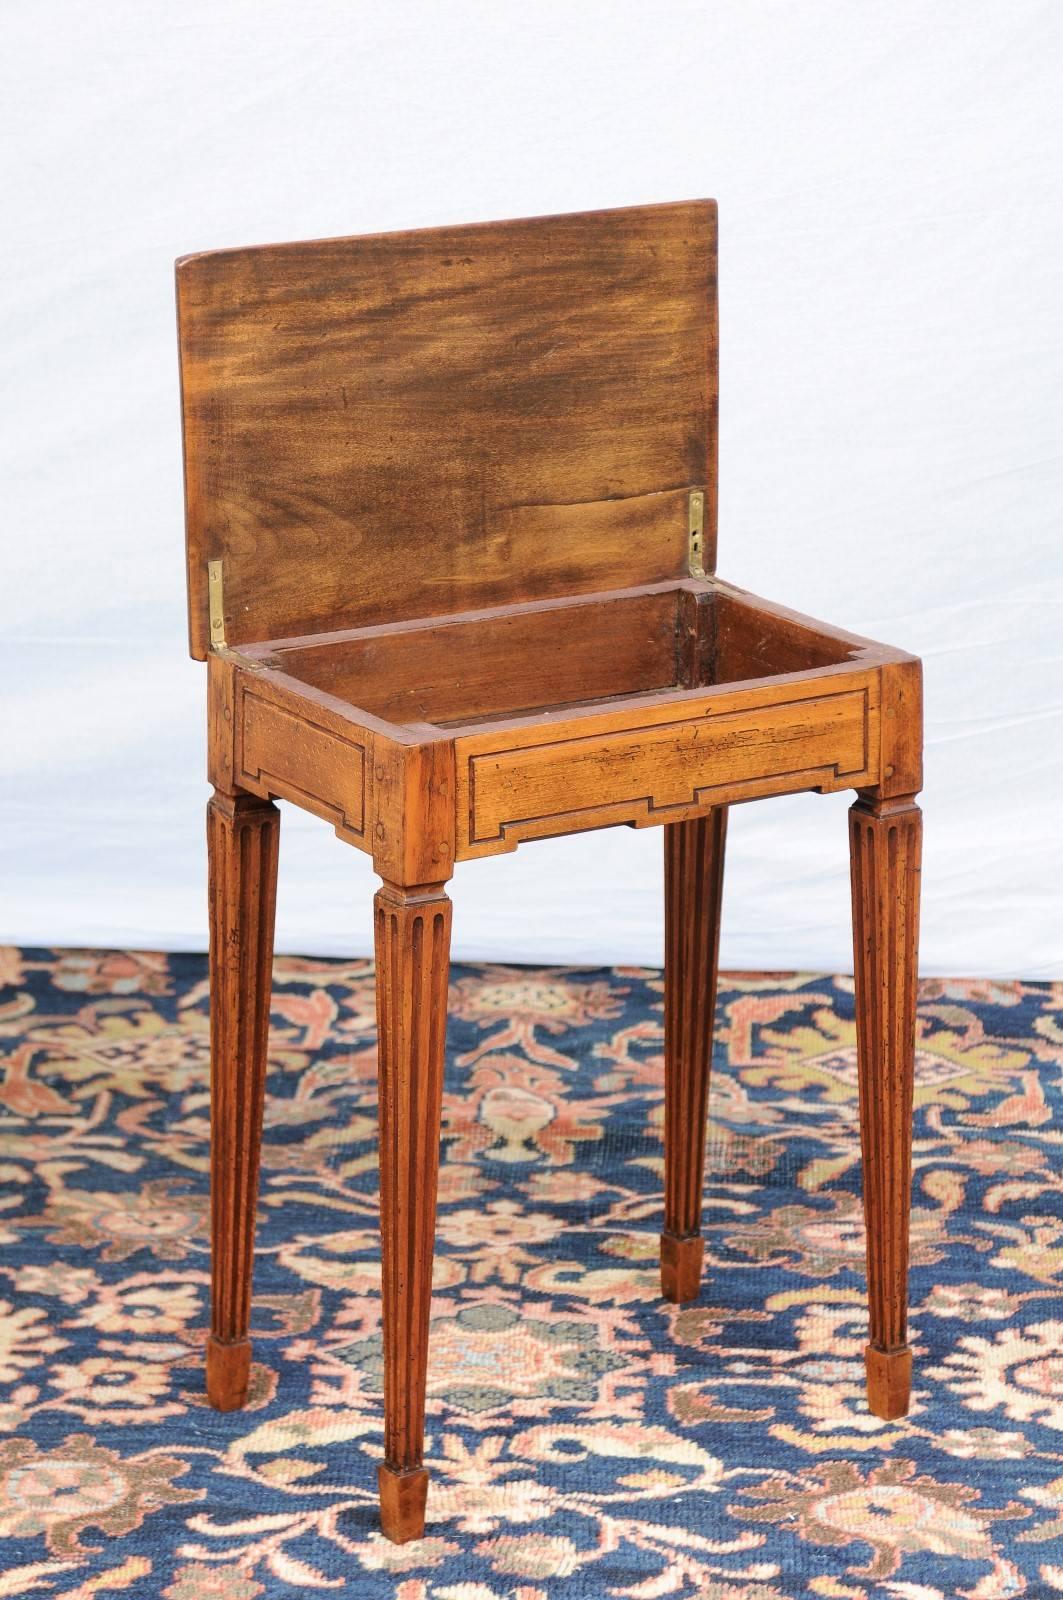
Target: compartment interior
480, 667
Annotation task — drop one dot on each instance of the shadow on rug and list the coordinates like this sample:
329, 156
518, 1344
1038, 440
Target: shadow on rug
584, 1437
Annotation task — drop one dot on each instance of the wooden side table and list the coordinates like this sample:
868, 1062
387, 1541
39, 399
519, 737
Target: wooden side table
451, 509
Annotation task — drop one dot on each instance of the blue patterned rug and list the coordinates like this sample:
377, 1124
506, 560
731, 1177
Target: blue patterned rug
584, 1437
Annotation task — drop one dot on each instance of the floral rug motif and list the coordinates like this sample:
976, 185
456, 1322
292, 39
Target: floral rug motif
585, 1438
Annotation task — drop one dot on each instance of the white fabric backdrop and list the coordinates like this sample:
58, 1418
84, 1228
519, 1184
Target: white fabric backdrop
891, 237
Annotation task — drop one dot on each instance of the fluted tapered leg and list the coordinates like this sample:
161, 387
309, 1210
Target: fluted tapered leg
242, 839
412, 967
885, 839
693, 884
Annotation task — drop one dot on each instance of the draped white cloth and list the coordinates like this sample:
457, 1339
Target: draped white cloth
891, 248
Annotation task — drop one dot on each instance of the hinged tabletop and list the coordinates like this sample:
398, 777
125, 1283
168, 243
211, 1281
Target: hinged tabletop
421, 423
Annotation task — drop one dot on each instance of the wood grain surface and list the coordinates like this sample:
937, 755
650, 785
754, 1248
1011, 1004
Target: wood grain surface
886, 859
693, 887
242, 839
414, 423
412, 963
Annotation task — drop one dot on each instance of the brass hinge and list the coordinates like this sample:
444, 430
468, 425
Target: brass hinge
216, 605
216, 609
696, 531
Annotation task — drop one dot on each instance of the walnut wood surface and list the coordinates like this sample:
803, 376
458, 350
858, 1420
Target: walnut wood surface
412, 965
242, 839
885, 847
425, 422
447, 476
510, 661
693, 885
658, 763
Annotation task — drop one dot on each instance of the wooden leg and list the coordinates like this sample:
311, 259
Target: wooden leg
885, 838
412, 968
693, 883
242, 839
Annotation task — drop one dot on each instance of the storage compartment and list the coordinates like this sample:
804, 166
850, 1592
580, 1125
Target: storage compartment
555, 656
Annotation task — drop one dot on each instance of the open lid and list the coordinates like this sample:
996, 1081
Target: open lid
412, 424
